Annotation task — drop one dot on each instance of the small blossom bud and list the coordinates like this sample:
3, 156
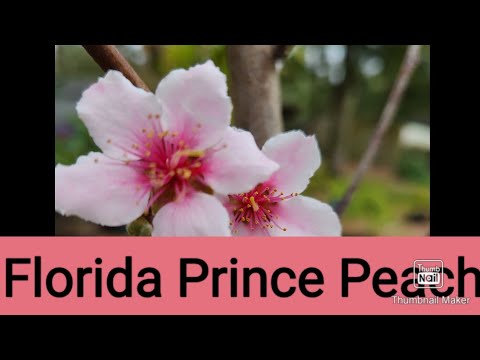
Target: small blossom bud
140, 227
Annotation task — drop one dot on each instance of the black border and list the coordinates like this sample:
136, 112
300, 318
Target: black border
28, 184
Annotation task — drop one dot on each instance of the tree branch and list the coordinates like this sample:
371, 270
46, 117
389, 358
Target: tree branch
109, 58
410, 62
255, 90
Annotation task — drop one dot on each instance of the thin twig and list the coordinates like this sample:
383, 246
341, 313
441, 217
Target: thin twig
410, 62
281, 51
109, 58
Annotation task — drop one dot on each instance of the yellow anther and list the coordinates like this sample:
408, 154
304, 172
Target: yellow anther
152, 165
150, 134
256, 193
254, 204
174, 134
275, 190
241, 210
281, 193
191, 153
256, 222
171, 173
249, 206
148, 153
197, 164
162, 134
243, 218
187, 173
181, 143
284, 229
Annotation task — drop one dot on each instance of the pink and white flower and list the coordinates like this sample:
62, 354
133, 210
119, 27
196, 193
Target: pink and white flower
162, 150
275, 207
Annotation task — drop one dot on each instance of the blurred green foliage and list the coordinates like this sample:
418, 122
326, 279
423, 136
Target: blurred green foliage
411, 166
69, 148
381, 199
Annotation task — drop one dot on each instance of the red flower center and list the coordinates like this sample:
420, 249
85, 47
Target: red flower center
256, 209
167, 165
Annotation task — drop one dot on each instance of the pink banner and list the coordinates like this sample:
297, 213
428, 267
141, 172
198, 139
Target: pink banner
278, 276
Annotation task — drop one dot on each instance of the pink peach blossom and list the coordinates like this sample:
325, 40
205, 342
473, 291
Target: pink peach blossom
162, 150
275, 207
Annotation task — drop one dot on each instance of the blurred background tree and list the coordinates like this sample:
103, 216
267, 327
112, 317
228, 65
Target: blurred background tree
334, 91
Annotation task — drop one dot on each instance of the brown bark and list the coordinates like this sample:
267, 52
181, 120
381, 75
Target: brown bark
109, 58
255, 90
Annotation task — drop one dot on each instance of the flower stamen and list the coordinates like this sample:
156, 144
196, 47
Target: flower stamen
255, 208
254, 204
